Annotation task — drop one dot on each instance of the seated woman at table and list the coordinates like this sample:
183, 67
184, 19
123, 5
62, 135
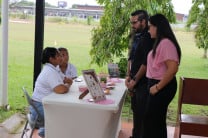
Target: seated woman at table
68, 69
49, 80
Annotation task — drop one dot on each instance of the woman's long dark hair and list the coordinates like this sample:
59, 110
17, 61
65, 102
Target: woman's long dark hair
163, 31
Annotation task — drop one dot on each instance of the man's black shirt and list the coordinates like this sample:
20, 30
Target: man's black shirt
142, 44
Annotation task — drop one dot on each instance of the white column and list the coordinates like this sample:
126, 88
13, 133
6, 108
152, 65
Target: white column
4, 54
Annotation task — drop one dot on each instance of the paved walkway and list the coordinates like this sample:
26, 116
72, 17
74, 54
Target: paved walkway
7, 129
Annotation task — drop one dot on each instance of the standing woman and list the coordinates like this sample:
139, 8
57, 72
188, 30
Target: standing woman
162, 66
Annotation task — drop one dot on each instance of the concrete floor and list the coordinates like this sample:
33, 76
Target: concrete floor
125, 132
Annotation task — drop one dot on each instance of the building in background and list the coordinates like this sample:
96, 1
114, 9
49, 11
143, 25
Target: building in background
62, 4
181, 17
77, 10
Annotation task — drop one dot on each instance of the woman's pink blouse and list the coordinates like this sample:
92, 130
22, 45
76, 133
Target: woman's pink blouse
156, 66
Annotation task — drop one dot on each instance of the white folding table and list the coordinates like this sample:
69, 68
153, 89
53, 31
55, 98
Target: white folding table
66, 116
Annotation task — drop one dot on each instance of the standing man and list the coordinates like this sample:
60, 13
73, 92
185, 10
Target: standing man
136, 81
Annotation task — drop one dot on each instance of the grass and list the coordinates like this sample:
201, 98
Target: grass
192, 65
21, 56
76, 37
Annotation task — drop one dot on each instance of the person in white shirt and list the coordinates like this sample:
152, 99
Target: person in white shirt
49, 80
68, 69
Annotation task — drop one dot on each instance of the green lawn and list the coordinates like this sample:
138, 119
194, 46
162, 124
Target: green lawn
77, 38
192, 65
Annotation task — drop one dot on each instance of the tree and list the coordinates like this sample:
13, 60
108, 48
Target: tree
0, 12
110, 39
198, 15
13, 3
20, 3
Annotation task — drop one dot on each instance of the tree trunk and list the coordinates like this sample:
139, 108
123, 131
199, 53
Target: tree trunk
205, 53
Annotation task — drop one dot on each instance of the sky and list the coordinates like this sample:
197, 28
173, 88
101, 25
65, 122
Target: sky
180, 6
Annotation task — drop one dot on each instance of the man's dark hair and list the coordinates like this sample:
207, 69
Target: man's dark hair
142, 14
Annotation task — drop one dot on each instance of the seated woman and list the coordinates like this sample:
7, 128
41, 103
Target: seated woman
68, 69
48, 81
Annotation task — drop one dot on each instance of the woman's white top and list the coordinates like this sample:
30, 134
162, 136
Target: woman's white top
48, 79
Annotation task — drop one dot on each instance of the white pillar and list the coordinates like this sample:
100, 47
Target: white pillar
4, 54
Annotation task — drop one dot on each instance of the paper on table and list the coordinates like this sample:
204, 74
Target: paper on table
115, 80
104, 102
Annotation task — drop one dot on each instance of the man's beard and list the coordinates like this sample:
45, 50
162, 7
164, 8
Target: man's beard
138, 30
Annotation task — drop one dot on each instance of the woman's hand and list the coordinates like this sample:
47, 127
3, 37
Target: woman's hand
68, 81
154, 89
